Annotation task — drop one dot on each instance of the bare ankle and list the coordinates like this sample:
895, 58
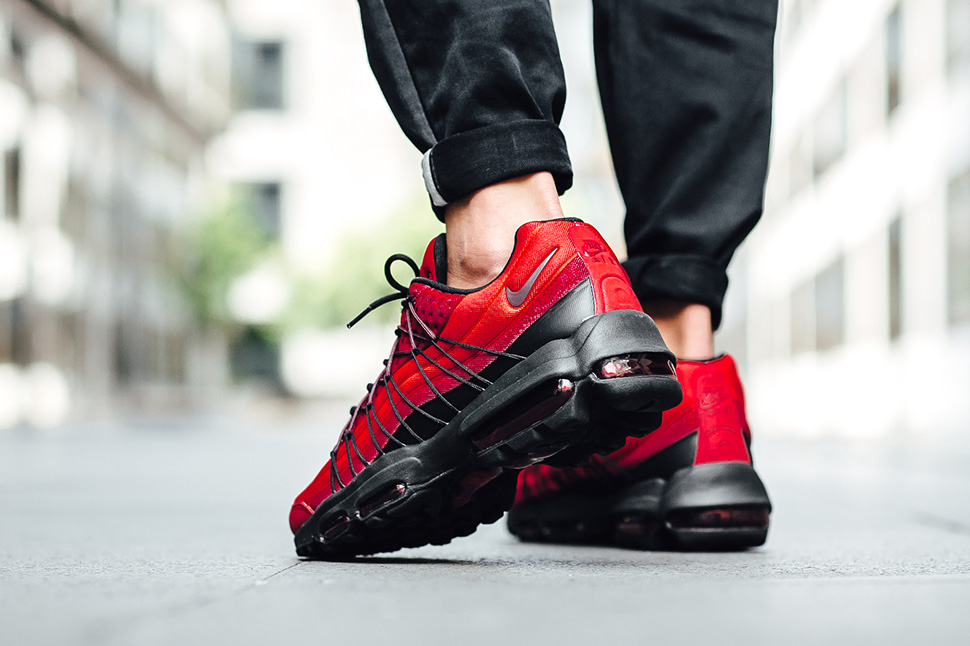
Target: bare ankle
685, 327
481, 228
474, 268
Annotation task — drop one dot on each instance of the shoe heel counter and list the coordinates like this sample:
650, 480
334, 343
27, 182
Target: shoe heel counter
611, 285
730, 370
722, 426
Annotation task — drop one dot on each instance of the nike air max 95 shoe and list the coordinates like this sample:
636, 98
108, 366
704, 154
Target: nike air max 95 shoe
689, 485
553, 357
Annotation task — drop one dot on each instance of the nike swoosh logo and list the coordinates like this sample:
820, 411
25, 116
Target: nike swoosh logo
517, 297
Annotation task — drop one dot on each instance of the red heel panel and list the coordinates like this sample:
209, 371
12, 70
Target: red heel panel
611, 285
720, 415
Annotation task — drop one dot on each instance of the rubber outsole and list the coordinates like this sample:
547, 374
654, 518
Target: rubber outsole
710, 507
465, 475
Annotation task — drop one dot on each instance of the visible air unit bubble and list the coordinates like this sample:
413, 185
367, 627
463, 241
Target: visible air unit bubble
633, 365
730, 518
336, 527
382, 498
530, 409
637, 526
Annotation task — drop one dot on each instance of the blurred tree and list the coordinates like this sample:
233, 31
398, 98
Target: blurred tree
355, 276
225, 243
229, 241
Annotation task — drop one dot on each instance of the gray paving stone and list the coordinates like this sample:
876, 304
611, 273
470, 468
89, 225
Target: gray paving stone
175, 532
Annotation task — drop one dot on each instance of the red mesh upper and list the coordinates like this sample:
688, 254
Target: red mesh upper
482, 318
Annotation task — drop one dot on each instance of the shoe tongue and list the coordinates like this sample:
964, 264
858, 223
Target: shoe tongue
434, 266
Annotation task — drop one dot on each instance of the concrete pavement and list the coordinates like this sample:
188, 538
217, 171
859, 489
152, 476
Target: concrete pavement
174, 532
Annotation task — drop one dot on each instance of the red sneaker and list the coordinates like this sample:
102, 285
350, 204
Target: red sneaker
553, 356
689, 485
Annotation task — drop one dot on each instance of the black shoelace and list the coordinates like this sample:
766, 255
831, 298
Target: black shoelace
420, 337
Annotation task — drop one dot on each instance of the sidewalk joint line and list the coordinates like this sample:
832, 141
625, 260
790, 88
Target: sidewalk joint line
265, 580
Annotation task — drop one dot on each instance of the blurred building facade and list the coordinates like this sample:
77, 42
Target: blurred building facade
310, 138
306, 120
314, 145
850, 302
105, 111
313, 140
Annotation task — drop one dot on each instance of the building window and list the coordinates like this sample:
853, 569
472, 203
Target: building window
958, 249
15, 346
895, 279
73, 220
799, 167
17, 49
894, 59
6, 332
259, 75
803, 318
265, 201
830, 131
124, 364
11, 183
254, 359
958, 35
830, 306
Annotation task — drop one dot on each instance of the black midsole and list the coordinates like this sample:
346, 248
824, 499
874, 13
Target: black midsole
451, 452
649, 503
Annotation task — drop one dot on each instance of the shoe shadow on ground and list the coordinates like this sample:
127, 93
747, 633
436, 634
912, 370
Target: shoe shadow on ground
393, 560
637, 557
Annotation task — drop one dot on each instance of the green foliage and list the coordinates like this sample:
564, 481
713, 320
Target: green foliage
225, 243
355, 275
229, 241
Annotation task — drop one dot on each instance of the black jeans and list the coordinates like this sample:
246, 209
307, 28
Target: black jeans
477, 85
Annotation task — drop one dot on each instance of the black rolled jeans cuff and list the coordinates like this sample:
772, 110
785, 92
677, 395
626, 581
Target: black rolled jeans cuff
461, 164
682, 278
